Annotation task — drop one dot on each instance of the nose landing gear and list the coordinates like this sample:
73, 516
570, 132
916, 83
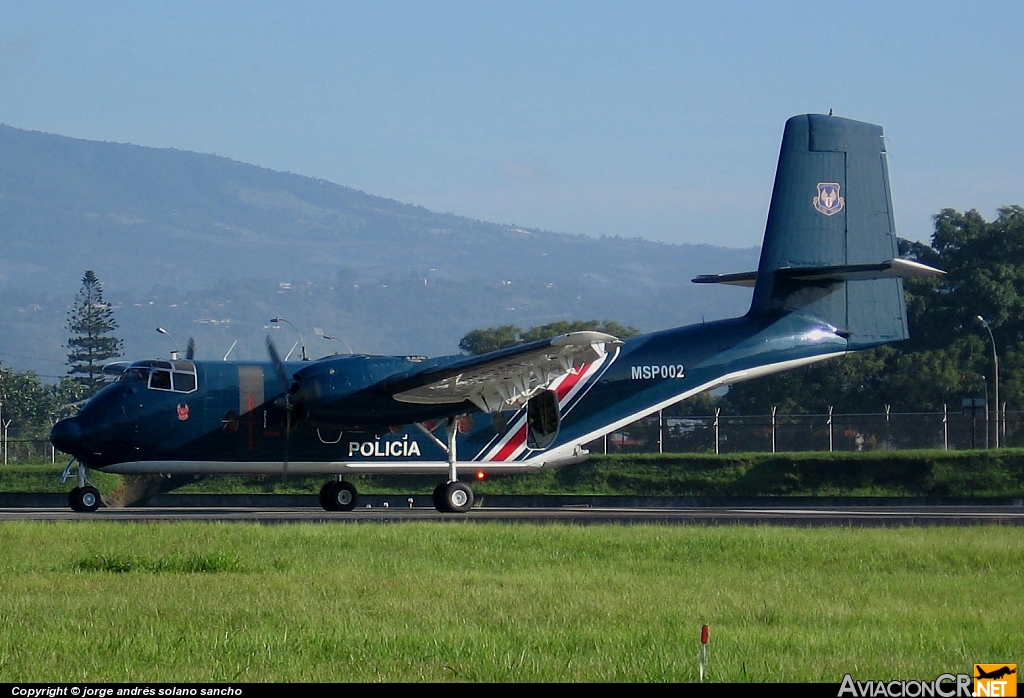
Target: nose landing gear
85, 497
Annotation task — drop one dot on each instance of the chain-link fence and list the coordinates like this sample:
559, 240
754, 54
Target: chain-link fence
31, 450
882, 431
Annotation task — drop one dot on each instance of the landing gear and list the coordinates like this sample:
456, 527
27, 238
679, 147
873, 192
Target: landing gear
338, 495
453, 496
456, 497
84, 498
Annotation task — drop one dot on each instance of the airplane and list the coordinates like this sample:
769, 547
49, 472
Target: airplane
829, 281
994, 674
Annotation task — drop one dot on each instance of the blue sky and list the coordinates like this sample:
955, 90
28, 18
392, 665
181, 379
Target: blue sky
640, 119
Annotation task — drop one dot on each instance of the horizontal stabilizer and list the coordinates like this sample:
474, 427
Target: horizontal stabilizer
893, 269
743, 278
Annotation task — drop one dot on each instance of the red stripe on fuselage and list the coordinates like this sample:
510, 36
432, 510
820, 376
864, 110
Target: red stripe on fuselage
570, 381
564, 388
512, 444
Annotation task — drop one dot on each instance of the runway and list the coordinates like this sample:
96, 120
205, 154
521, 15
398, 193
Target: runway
803, 515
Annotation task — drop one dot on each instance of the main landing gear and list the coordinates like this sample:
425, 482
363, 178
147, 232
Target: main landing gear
453, 496
338, 495
450, 496
85, 497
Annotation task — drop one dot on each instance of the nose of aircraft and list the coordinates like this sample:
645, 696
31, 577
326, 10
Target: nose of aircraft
66, 435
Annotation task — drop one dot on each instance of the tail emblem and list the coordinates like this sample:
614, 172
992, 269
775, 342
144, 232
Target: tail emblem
828, 200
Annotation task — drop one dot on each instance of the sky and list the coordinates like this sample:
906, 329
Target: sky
659, 120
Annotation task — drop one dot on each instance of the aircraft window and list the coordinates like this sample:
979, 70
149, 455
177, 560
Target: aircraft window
160, 380
184, 366
184, 382
134, 373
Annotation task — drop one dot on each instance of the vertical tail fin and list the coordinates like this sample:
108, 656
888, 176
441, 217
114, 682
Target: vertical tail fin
830, 237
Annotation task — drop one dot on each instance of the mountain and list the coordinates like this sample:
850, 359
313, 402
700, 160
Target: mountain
206, 246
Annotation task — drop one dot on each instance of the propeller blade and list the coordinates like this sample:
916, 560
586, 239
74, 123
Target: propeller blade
275, 359
286, 391
287, 436
190, 350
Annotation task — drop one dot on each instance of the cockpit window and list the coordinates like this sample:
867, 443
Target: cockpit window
183, 382
160, 380
176, 376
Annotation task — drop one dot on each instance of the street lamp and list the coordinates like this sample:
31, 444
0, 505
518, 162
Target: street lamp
339, 339
174, 354
995, 362
302, 342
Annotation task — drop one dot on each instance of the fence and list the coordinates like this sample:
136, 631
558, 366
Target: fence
883, 431
33, 450
718, 433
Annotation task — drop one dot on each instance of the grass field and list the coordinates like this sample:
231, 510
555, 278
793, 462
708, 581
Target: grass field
103, 601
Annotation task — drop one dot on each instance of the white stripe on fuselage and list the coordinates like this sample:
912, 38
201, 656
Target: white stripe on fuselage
727, 379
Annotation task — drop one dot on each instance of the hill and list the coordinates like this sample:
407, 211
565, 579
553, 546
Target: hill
208, 246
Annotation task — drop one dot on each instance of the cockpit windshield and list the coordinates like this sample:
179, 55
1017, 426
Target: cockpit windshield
175, 376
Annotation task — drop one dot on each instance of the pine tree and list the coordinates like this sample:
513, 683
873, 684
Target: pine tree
90, 321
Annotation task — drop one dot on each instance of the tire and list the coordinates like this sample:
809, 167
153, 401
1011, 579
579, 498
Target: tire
325, 495
338, 496
73, 500
458, 497
439, 497
84, 499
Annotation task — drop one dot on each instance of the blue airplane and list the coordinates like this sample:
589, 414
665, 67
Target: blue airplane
829, 282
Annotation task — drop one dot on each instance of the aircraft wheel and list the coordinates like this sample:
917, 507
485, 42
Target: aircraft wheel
84, 499
458, 497
439, 497
338, 496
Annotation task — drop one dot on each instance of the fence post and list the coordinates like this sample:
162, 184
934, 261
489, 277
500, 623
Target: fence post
830, 448
661, 431
5, 425
774, 407
945, 428
718, 411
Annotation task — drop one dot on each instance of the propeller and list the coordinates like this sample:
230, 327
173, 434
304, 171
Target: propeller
190, 350
287, 391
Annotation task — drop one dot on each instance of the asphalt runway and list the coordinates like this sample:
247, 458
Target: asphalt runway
869, 516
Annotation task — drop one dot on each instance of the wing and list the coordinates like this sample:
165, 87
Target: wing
504, 379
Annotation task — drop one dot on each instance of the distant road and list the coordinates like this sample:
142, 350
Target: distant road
967, 515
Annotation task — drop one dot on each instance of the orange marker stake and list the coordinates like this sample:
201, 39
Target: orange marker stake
705, 635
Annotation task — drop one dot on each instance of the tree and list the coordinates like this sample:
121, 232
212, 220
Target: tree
90, 321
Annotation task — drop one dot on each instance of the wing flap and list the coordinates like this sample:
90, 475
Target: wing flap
504, 379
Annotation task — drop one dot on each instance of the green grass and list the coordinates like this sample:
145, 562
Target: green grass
104, 601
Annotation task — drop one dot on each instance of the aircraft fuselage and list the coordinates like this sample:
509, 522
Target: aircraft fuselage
234, 420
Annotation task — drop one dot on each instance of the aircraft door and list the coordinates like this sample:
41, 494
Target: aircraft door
543, 420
